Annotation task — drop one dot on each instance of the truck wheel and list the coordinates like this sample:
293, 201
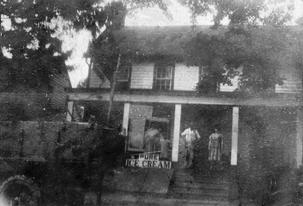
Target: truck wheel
19, 190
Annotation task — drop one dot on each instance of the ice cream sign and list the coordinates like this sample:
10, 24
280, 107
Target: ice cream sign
146, 160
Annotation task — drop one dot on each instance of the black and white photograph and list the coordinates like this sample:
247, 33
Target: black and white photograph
151, 102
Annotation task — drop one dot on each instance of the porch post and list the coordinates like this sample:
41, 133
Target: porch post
70, 109
177, 122
234, 137
299, 137
125, 118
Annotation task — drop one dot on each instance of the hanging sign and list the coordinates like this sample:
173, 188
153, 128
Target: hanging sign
146, 160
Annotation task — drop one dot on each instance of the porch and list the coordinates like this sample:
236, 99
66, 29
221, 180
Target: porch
177, 104
260, 133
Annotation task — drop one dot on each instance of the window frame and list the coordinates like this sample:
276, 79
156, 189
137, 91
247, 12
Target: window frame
126, 81
157, 79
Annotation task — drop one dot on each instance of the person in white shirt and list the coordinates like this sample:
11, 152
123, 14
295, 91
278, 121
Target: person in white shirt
190, 135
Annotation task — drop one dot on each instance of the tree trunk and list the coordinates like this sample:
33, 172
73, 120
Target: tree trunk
112, 89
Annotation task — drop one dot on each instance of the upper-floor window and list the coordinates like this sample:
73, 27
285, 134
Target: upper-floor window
208, 82
163, 76
123, 76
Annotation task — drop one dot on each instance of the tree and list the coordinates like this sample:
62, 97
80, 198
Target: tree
36, 51
252, 55
242, 12
106, 51
36, 54
106, 56
31, 39
255, 36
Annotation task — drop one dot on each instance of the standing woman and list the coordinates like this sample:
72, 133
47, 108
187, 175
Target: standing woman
215, 146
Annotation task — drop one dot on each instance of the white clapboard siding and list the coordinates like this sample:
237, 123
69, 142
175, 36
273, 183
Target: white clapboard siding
3, 79
292, 77
292, 81
186, 78
142, 76
289, 86
96, 82
58, 96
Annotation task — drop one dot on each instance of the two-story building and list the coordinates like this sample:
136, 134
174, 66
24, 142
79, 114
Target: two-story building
160, 89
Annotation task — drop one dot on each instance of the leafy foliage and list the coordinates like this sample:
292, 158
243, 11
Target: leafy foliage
106, 47
36, 54
249, 46
251, 54
265, 168
106, 50
241, 11
32, 41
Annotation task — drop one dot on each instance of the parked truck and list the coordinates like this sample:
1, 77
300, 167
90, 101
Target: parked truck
55, 163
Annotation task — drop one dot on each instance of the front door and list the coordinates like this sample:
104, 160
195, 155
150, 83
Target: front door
205, 119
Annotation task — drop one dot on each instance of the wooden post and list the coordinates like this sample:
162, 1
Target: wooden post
125, 119
299, 125
70, 109
234, 137
177, 122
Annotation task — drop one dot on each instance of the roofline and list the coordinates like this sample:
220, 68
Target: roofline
289, 100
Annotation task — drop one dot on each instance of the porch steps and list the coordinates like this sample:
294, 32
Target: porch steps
202, 188
137, 199
181, 177
185, 190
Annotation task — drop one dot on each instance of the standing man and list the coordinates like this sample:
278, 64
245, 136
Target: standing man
190, 134
215, 146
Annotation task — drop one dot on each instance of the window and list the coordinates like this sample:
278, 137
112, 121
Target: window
207, 81
123, 77
163, 76
123, 73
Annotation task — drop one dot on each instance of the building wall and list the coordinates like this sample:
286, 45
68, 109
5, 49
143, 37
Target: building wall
56, 98
58, 95
187, 77
3, 79
266, 148
96, 82
292, 77
292, 81
142, 76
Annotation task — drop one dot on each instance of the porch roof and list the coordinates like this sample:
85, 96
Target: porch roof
177, 97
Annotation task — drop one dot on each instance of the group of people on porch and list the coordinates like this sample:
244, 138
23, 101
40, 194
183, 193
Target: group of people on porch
215, 144
156, 142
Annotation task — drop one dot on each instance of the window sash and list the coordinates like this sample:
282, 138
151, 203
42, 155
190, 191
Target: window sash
123, 74
163, 77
